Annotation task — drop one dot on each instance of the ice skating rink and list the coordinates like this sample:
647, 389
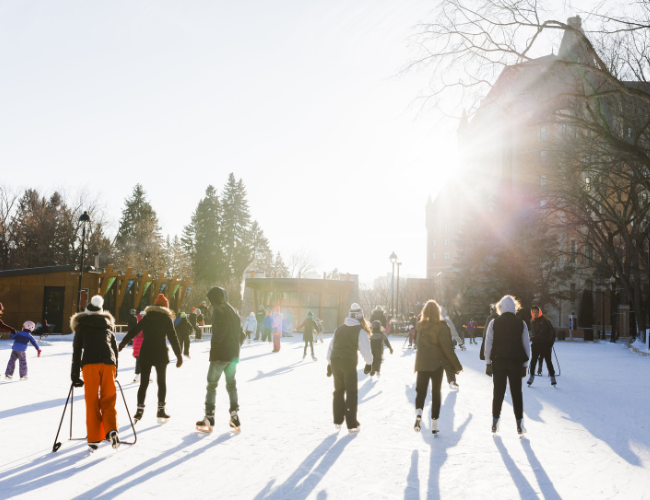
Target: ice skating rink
589, 438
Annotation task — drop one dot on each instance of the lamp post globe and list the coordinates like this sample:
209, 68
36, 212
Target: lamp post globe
84, 218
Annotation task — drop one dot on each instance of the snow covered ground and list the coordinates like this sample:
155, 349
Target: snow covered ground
589, 438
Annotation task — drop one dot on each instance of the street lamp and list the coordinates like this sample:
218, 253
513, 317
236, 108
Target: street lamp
612, 337
393, 259
397, 294
646, 231
84, 218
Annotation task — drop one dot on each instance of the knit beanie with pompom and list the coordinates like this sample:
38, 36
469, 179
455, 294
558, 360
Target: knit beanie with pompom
96, 304
355, 311
161, 300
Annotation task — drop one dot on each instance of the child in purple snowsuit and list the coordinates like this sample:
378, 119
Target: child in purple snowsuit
21, 338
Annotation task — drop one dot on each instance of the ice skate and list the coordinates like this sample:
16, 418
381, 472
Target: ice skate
495, 426
136, 378
187, 356
304, 356
418, 420
114, 438
162, 415
378, 374
434, 426
234, 421
23, 378
92, 447
313, 358
338, 426
207, 424
539, 373
356, 429
138, 414
249, 341
372, 373
453, 386
8, 377
553, 381
531, 379
520, 427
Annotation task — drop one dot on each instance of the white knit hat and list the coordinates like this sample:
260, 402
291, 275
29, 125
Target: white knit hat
96, 304
355, 311
29, 326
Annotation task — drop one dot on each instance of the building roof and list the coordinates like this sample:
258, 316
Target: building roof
47, 270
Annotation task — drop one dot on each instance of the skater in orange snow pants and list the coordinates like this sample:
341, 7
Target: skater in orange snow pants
101, 395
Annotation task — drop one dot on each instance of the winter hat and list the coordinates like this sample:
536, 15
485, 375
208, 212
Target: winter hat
29, 326
310, 314
355, 311
161, 301
376, 326
508, 304
182, 315
96, 304
142, 313
132, 311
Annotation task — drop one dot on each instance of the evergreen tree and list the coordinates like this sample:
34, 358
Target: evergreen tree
97, 244
280, 267
262, 254
201, 240
236, 238
139, 243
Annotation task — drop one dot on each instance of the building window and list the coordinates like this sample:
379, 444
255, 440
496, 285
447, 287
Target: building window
543, 157
446, 255
434, 256
434, 230
618, 213
446, 229
573, 292
589, 253
629, 132
433, 243
446, 242
587, 184
543, 134
542, 205
574, 249
542, 180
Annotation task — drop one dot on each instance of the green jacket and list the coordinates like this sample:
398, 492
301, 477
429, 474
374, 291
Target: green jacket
435, 348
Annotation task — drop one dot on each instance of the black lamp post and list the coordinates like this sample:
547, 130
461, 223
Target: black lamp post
397, 294
612, 335
83, 218
646, 231
393, 259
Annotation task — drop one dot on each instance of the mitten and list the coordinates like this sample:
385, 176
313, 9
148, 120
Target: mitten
76, 381
329, 370
488, 370
120, 347
39, 353
367, 369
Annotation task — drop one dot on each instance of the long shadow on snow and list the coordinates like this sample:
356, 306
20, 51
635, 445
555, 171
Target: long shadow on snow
545, 483
439, 445
188, 440
278, 371
46, 405
329, 449
364, 390
412, 490
522, 484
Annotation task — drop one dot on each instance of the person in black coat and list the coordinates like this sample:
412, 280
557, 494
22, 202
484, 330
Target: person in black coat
184, 330
378, 314
542, 344
131, 321
191, 317
259, 317
157, 326
94, 351
377, 341
310, 327
224, 356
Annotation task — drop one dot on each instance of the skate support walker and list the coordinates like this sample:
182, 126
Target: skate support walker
558, 372
57, 443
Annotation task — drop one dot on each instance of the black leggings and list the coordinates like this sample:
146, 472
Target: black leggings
161, 380
310, 343
422, 386
542, 352
503, 371
345, 392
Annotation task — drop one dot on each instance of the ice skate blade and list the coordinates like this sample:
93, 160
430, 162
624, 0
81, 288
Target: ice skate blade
204, 428
162, 420
435, 433
353, 431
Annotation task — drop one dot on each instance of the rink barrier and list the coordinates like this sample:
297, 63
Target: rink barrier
638, 351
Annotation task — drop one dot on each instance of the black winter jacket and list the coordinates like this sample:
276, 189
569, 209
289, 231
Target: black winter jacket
226, 328
378, 315
543, 332
435, 348
309, 325
131, 321
184, 328
157, 326
94, 340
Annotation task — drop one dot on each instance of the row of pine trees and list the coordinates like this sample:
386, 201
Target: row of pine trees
218, 245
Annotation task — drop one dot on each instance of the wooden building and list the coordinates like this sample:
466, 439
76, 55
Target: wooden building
51, 293
327, 299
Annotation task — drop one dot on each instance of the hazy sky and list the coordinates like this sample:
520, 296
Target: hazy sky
300, 99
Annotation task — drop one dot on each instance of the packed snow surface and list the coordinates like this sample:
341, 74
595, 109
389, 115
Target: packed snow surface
589, 438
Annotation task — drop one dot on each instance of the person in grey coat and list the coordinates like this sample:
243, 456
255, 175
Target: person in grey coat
377, 341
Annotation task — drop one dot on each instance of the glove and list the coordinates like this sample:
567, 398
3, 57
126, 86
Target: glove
391, 351
488, 370
12, 331
367, 369
76, 381
120, 347
524, 371
39, 354
179, 362
329, 370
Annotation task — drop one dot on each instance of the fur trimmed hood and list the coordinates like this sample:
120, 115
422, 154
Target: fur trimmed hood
92, 319
161, 310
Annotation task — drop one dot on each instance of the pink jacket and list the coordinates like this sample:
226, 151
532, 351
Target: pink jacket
137, 342
277, 324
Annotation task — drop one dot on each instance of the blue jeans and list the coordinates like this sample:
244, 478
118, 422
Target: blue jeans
214, 374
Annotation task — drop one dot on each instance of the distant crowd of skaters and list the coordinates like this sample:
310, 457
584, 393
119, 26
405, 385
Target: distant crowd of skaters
506, 349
